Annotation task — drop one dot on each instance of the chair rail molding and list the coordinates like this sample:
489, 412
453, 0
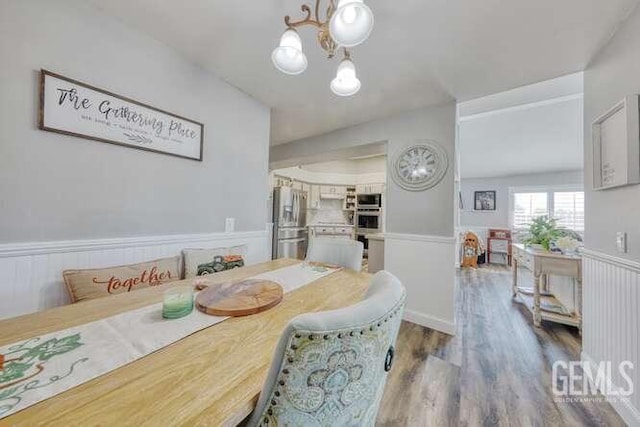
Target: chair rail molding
38, 248
614, 260
31, 272
611, 306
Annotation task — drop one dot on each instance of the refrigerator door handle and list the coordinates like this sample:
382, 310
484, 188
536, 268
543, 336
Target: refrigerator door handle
295, 207
291, 240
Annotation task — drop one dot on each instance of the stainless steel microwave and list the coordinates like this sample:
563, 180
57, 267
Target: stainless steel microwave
370, 201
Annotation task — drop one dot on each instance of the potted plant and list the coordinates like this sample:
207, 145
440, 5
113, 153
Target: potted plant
542, 231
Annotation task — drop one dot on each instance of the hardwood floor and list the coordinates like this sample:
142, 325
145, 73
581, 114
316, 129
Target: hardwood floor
495, 371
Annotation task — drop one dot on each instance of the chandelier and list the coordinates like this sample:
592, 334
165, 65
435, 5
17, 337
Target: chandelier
346, 25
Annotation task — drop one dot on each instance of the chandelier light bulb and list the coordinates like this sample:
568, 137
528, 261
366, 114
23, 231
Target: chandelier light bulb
346, 82
351, 23
349, 14
288, 57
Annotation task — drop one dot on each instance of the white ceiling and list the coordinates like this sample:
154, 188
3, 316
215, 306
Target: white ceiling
533, 129
421, 52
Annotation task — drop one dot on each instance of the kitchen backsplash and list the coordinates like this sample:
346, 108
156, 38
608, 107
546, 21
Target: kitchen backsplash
330, 211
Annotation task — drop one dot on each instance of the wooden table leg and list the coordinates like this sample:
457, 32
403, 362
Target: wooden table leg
514, 268
537, 317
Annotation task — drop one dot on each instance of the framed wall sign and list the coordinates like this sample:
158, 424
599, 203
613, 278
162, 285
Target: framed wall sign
616, 145
73, 108
484, 200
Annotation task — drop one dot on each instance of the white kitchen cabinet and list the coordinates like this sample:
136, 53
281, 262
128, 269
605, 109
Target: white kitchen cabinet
376, 253
313, 198
370, 188
333, 189
332, 231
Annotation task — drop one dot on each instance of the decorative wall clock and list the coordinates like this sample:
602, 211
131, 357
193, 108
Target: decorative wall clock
420, 166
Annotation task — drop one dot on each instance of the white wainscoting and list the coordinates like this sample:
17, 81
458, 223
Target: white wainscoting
31, 273
425, 265
611, 317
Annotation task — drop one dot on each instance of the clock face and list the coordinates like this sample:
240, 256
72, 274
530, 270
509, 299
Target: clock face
420, 167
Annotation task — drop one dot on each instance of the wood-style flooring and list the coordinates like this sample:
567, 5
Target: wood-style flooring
495, 371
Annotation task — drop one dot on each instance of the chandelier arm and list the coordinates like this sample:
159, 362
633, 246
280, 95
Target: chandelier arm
331, 7
306, 21
317, 9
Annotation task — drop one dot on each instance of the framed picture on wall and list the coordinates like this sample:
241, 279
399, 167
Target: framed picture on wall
70, 107
484, 200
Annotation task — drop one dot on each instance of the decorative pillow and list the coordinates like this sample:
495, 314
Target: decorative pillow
96, 283
198, 262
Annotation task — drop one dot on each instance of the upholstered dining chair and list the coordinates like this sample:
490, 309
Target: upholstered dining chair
343, 252
330, 368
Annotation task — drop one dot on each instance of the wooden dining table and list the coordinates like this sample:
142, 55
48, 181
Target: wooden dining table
212, 377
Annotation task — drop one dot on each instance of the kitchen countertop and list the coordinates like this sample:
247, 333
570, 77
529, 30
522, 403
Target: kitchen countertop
331, 225
375, 236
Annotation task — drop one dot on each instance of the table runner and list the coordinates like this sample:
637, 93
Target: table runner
41, 367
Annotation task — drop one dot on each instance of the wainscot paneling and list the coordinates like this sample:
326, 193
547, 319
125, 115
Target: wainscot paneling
611, 330
425, 265
31, 273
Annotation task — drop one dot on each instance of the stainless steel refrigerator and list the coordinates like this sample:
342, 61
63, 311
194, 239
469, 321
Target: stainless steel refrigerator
290, 236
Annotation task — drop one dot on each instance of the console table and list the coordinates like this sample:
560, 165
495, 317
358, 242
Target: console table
542, 264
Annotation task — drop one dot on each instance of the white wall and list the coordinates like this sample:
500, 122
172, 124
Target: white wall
419, 225
346, 177
500, 217
55, 187
612, 297
353, 167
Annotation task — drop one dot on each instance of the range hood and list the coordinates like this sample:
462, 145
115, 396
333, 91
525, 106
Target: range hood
333, 196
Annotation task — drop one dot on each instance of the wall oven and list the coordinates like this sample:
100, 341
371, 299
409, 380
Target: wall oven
369, 201
369, 221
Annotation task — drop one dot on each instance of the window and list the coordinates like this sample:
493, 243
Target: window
567, 207
527, 206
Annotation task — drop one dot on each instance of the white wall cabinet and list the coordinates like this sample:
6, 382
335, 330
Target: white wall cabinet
333, 190
313, 199
369, 188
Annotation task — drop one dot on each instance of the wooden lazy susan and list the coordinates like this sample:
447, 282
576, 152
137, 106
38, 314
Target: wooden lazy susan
239, 298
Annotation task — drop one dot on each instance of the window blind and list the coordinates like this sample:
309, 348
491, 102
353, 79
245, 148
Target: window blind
527, 206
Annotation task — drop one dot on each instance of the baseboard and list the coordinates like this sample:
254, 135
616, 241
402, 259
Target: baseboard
624, 408
430, 322
63, 246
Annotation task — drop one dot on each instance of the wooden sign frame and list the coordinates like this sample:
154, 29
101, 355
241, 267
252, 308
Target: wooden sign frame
139, 125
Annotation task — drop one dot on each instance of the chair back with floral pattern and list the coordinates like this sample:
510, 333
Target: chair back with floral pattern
330, 368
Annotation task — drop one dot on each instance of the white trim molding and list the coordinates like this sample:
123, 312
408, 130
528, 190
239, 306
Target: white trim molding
613, 260
430, 322
38, 248
421, 238
522, 107
31, 272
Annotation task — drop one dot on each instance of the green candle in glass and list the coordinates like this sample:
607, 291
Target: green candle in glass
177, 302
